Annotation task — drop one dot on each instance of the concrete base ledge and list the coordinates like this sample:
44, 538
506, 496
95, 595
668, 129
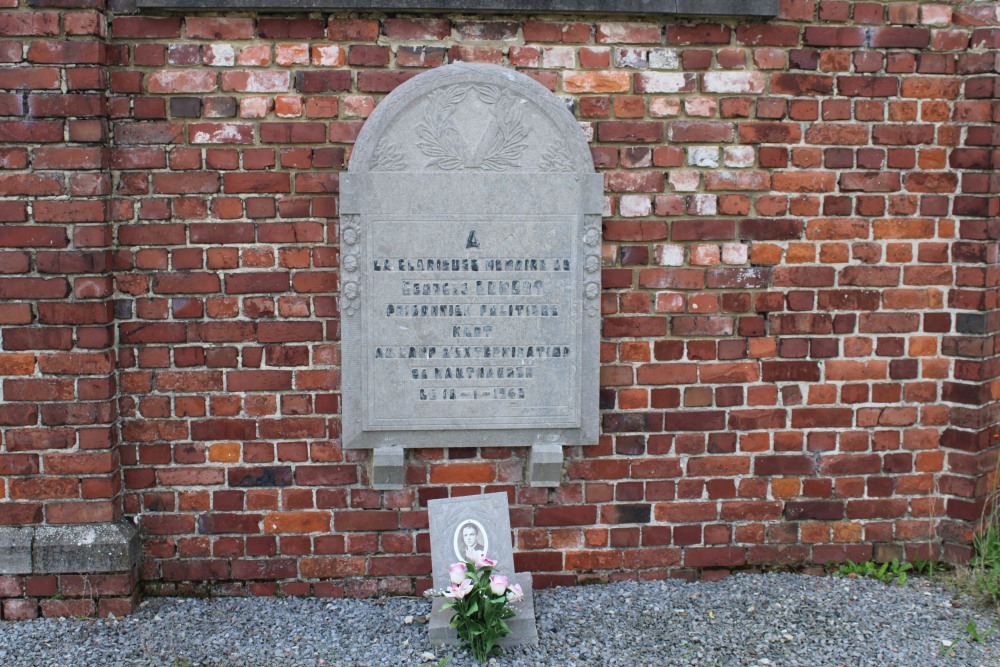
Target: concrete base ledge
71, 549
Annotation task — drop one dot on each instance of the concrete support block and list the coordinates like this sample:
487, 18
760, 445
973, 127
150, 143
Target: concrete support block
15, 549
388, 468
86, 548
545, 465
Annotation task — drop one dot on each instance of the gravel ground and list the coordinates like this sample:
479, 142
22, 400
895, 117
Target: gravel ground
770, 619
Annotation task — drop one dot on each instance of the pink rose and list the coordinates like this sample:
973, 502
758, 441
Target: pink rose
498, 584
515, 594
483, 561
459, 591
457, 572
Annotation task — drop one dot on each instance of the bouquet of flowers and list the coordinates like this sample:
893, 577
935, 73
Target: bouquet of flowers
482, 603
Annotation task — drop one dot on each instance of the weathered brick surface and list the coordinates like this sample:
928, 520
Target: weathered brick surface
799, 292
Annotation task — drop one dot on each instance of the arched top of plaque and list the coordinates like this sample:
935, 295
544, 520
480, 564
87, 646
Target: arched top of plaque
470, 117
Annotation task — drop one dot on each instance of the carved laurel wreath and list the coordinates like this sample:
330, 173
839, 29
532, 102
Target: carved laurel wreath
498, 149
388, 157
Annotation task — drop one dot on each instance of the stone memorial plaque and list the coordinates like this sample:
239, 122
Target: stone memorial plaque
470, 265
460, 527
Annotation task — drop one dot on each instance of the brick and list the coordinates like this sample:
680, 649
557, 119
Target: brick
822, 418
784, 465
733, 82
218, 28
868, 86
814, 510
714, 556
700, 131
801, 84
767, 35
145, 27
256, 183
706, 33
182, 81
596, 82
27, 78
29, 23
81, 52
663, 82
322, 81
425, 29
375, 81
805, 181
256, 81
291, 28
898, 37
903, 134
829, 36
550, 31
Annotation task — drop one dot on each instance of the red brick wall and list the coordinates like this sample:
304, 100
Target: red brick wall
799, 318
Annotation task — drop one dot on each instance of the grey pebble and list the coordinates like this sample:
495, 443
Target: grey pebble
776, 620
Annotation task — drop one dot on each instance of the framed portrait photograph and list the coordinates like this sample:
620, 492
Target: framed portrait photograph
471, 540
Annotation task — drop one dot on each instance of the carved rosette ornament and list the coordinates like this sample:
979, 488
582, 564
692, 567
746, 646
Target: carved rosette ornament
591, 266
350, 245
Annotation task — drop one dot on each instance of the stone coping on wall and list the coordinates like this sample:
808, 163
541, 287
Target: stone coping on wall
76, 549
682, 7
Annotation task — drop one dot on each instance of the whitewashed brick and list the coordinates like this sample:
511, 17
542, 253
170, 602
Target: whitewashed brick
634, 206
733, 82
704, 205
255, 107
734, 253
669, 255
704, 254
739, 156
664, 59
660, 107
684, 180
703, 156
701, 107
219, 55
559, 57
660, 82
630, 56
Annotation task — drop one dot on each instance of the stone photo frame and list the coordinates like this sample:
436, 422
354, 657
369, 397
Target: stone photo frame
489, 513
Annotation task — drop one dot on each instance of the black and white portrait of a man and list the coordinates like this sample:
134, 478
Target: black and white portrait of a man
470, 540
